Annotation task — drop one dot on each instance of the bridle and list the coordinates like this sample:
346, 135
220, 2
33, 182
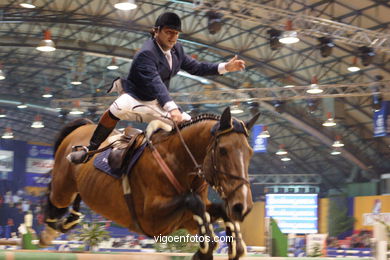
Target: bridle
215, 180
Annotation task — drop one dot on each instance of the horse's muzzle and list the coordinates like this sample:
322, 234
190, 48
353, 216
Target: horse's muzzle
239, 212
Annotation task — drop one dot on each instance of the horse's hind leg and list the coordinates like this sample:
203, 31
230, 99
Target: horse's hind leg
52, 215
73, 218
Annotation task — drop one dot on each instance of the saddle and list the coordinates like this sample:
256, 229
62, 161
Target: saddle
123, 147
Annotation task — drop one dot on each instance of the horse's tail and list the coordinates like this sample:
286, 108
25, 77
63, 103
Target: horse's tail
68, 128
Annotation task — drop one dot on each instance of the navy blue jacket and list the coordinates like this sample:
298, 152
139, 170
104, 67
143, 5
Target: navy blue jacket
150, 74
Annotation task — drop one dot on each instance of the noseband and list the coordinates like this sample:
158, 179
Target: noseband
237, 127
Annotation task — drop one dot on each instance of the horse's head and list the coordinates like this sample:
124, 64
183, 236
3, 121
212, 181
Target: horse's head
226, 164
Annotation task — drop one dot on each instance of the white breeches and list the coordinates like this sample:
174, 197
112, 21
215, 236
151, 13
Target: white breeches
125, 107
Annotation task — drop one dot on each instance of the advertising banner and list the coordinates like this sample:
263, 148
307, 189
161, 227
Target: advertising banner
6, 161
259, 144
38, 164
382, 120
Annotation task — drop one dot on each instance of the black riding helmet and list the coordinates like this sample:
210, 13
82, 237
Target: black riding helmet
170, 20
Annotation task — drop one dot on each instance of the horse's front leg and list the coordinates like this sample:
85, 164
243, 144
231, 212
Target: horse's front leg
172, 209
236, 244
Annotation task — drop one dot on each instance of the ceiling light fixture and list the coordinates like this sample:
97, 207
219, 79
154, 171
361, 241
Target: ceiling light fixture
329, 121
335, 152
285, 159
47, 93
126, 5
264, 133
314, 88
354, 67
3, 113
37, 123
338, 143
22, 106
8, 134
281, 150
76, 81
289, 82
112, 65
2, 74
46, 45
76, 111
236, 110
289, 36
27, 4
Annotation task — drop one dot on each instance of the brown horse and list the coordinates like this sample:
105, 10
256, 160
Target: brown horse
219, 144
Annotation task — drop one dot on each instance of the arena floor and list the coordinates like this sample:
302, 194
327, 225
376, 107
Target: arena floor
47, 255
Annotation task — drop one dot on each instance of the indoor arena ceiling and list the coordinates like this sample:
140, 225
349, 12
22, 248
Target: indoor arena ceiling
89, 33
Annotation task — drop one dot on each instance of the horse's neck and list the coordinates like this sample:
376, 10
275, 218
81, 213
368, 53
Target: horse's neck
197, 138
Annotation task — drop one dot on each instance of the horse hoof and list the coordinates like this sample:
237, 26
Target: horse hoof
199, 256
47, 236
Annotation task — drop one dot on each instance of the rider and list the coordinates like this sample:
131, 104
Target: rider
144, 94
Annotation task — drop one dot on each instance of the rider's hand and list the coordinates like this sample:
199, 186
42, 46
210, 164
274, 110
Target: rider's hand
235, 64
176, 115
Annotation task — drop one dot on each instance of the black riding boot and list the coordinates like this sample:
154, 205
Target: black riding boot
106, 124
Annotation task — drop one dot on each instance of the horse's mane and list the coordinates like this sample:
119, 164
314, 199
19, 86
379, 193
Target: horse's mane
68, 128
161, 136
199, 118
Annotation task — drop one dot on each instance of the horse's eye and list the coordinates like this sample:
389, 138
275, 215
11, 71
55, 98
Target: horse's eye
223, 151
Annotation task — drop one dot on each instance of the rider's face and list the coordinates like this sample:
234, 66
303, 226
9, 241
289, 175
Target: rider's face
166, 37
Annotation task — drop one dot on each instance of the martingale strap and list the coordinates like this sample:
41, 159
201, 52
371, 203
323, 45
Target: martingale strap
171, 177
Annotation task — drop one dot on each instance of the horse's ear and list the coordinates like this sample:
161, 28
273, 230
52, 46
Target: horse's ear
226, 119
249, 124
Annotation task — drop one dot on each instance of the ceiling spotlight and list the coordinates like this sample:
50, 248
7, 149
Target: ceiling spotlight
2, 74
126, 5
326, 45
264, 133
289, 36
27, 4
312, 105
8, 134
46, 45
214, 22
367, 55
314, 88
279, 106
329, 121
274, 36
285, 159
354, 67
38, 123
112, 65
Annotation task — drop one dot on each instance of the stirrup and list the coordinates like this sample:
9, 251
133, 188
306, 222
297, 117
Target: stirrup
79, 154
